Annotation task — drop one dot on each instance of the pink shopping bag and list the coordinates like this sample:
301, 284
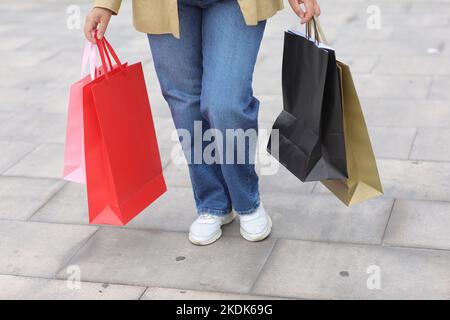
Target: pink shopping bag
74, 158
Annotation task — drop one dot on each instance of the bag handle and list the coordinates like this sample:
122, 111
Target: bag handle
89, 56
112, 53
102, 57
106, 51
319, 35
109, 65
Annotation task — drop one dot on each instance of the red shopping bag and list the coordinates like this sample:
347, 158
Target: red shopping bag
123, 164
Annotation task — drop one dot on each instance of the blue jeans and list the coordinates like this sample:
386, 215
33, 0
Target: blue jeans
206, 78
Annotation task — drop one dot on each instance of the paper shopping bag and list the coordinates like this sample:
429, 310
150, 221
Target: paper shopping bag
310, 128
74, 163
363, 181
123, 165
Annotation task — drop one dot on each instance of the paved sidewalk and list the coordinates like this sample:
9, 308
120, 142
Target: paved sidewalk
319, 248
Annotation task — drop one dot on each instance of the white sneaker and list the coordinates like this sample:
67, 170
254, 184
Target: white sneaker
256, 226
206, 229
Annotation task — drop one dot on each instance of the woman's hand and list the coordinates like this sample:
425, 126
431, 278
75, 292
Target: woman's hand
97, 19
311, 9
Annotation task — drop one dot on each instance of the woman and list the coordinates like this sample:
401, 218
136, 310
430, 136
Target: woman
204, 53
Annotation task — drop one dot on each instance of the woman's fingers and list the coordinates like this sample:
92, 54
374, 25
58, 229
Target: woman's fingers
97, 20
89, 28
295, 5
309, 8
104, 21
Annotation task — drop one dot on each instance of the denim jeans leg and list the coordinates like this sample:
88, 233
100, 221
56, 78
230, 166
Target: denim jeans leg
230, 48
178, 64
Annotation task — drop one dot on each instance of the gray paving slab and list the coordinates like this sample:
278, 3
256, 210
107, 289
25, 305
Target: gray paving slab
174, 211
5, 116
272, 45
404, 22
406, 112
264, 129
416, 180
5, 28
34, 127
284, 181
157, 259
45, 76
340, 271
270, 107
9, 78
419, 224
138, 43
165, 130
180, 294
68, 205
360, 63
439, 89
18, 100
268, 79
46, 161
28, 288
25, 58
39, 249
21, 197
26, 6
50, 102
13, 42
347, 45
166, 156
177, 175
413, 65
12, 152
393, 86
65, 55
357, 31
432, 144
402, 76
323, 218
159, 106
393, 143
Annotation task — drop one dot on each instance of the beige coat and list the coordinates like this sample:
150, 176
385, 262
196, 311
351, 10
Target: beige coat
161, 16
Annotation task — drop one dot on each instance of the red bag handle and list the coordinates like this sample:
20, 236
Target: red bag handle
106, 50
107, 56
102, 49
112, 52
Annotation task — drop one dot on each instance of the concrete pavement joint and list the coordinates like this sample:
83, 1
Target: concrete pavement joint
259, 272
66, 263
20, 159
387, 222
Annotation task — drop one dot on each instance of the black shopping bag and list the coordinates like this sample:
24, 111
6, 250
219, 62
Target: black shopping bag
310, 134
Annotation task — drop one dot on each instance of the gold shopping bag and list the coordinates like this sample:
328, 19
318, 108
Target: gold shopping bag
364, 181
